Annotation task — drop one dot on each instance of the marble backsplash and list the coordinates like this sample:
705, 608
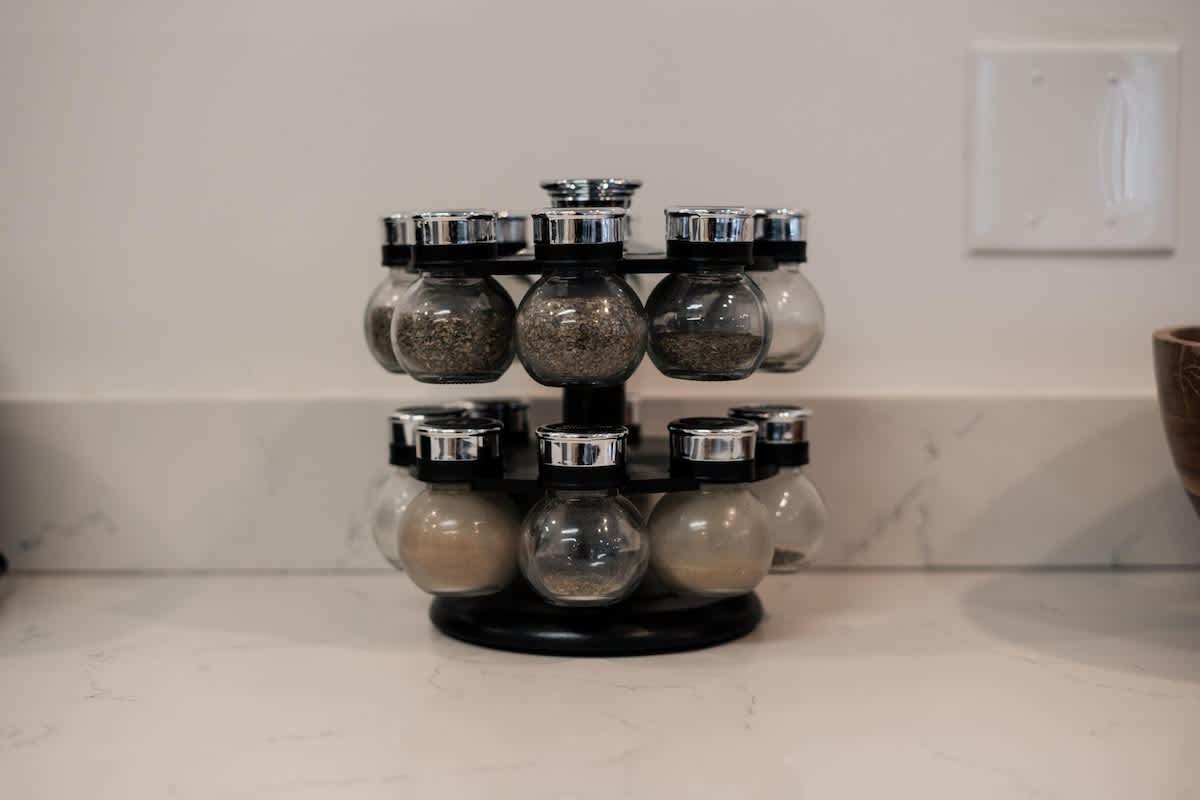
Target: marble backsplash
910, 482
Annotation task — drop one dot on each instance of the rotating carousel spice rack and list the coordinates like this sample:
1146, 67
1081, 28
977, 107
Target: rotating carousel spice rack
584, 252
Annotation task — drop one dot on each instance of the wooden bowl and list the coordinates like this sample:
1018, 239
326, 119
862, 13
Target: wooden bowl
1177, 368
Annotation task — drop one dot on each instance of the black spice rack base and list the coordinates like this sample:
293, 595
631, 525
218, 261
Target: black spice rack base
517, 620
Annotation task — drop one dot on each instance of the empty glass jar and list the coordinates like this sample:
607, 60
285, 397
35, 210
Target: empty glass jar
454, 541
708, 321
398, 490
377, 318
797, 316
714, 541
580, 324
797, 513
582, 543
454, 325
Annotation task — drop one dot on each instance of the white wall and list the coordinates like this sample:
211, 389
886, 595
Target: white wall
188, 191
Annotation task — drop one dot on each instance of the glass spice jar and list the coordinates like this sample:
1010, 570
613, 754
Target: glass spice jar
580, 324
796, 510
797, 315
377, 318
601, 193
454, 541
608, 193
454, 325
708, 321
714, 541
582, 543
397, 491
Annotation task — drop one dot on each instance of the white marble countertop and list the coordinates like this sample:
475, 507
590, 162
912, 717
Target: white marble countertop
857, 685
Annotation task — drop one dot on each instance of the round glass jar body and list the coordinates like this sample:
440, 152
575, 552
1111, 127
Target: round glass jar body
377, 318
713, 542
797, 318
581, 326
450, 328
797, 517
456, 542
583, 547
708, 325
391, 501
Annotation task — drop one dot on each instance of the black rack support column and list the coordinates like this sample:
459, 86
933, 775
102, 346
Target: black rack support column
594, 405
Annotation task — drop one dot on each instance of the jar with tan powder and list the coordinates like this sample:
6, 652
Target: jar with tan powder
455, 541
714, 541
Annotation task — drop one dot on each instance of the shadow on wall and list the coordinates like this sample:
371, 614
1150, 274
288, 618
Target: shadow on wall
1157, 526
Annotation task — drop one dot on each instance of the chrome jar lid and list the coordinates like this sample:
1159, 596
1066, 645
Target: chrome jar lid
582, 446
709, 224
777, 423
609, 192
407, 419
712, 439
578, 226
461, 227
582, 456
780, 225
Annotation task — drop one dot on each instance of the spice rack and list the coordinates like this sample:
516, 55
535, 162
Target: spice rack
652, 619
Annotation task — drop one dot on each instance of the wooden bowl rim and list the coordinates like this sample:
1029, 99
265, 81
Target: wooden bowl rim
1184, 335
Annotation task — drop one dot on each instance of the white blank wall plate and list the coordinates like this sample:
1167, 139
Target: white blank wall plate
1073, 147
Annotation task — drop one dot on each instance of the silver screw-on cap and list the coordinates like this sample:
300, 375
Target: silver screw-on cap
780, 225
512, 411
578, 226
407, 419
459, 439
454, 227
563, 445
397, 229
574, 192
709, 224
712, 439
777, 424
510, 228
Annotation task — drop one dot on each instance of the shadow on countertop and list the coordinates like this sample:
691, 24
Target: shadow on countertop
1091, 617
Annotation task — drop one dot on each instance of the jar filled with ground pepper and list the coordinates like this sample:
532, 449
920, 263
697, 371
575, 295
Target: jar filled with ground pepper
708, 321
714, 541
455, 324
377, 319
455, 541
580, 324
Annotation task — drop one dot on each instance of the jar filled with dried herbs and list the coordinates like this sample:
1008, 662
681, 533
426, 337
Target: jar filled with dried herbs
580, 324
708, 321
454, 325
377, 319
